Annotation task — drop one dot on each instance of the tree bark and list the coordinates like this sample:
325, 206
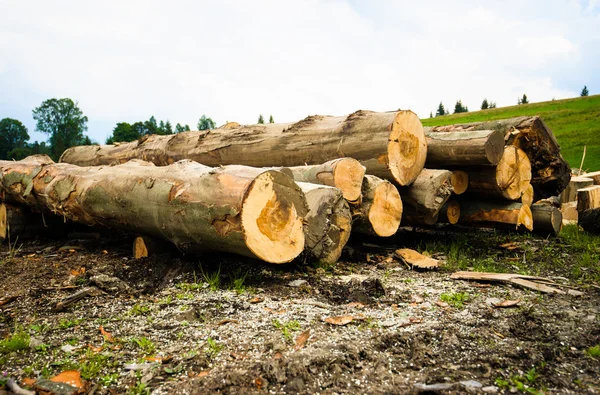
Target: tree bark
550, 172
429, 192
390, 145
589, 220
472, 148
380, 212
508, 180
236, 209
412, 217
496, 214
346, 174
459, 181
576, 183
588, 198
328, 223
547, 220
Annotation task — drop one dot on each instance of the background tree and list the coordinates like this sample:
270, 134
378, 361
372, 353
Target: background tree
168, 127
179, 128
484, 104
124, 132
13, 135
63, 121
260, 119
458, 107
430, 114
523, 100
441, 110
205, 123
151, 126
492, 104
584, 91
271, 120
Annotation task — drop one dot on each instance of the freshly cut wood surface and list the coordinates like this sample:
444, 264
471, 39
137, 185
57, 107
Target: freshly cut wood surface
576, 183
415, 259
508, 180
327, 224
594, 175
496, 214
588, 197
550, 172
569, 212
464, 148
428, 193
547, 220
459, 181
145, 246
450, 212
235, 209
381, 209
346, 174
527, 196
390, 145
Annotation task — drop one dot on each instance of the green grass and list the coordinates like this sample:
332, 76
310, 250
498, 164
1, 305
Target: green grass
457, 299
287, 328
18, 341
573, 121
593, 352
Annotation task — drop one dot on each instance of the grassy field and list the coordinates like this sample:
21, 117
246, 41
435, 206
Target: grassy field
575, 122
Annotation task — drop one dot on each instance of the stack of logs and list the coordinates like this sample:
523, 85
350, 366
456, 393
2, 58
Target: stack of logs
580, 201
273, 191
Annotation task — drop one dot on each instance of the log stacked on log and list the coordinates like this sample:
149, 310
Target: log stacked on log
380, 211
588, 208
576, 183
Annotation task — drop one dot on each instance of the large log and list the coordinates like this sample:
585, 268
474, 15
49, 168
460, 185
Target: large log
550, 172
588, 198
589, 220
575, 184
390, 145
328, 222
508, 180
346, 174
547, 220
428, 193
381, 208
450, 212
236, 209
472, 148
459, 181
496, 214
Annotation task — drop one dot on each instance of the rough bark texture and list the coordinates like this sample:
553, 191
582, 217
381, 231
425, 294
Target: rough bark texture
464, 148
428, 193
346, 174
508, 180
496, 214
381, 208
328, 223
588, 198
547, 220
550, 172
390, 145
589, 220
236, 209
459, 181
21, 223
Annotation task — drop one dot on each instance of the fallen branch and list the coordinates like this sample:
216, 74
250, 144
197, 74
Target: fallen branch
524, 281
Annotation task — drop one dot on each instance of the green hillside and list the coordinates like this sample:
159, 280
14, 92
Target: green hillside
575, 123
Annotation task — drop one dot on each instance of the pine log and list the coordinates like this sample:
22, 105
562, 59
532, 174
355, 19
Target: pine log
576, 183
346, 174
589, 220
498, 214
588, 198
508, 180
328, 223
428, 193
381, 208
472, 148
547, 220
235, 209
390, 145
450, 213
550, 172
23, 224
459, 181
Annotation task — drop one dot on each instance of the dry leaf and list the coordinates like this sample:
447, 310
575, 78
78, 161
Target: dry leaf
413, 258
415, 320
95, 349
339, 320
256, 299
301, 339
277, 355
104, 252
259, 382
356, 305
227, 321
510, 246
508, 303
28, 382
78, 272
71, 377
203, 373
442, 303
107, 336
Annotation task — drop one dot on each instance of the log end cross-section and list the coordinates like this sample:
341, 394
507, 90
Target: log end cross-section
407, 147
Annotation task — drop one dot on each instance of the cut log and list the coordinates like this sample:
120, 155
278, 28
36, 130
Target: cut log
595, 175
412, 217
145, 246
472, 148
328, 223
547, 220
508, 180
428, 193
450, 212
23, 224
496, 214
346, 174
550, 172
576, 183
390, 145
588, 198
380, 212
589, 220
459, 181
569, 212
236, 209
527, 196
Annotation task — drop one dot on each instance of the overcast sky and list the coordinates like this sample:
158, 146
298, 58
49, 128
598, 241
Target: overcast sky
125, 60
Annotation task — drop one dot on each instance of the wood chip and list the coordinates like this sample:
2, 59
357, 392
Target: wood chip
413, 258
339, 320
228, 321
301, 339
70, 377
7, 300
442, 304
256, 299
107, 335
508, 303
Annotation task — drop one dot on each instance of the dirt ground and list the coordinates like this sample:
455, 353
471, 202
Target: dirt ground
223, 324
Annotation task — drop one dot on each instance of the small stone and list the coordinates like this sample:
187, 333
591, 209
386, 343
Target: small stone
109, 284
297, 283
471, 385
68, 348
490, 389
427, 388
34, 343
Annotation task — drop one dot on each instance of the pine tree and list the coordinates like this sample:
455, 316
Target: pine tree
523, 100
168, 127
584, 91
441, 110
492, 104
458, 107
485, 105
430, 114
271, 120
260, 119
179, 128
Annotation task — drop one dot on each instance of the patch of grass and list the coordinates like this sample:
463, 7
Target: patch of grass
287, 328
593, 351
212, 279
39, 328
146, 345
109, 379
13, 249
67, 323
139, 309
17, 341
456, 299
92, 365
212, 348
237, 280
139, 389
